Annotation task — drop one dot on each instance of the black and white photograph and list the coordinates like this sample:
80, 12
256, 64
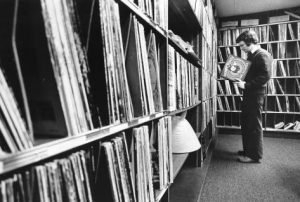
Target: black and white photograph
149, 100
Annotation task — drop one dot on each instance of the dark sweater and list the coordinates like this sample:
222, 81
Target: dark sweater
259, 72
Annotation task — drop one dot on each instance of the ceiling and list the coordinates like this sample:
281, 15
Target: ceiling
226, 8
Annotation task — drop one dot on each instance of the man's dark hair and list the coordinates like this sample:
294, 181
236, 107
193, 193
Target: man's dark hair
248, 37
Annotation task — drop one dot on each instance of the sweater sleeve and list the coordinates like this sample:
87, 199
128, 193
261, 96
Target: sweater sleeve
263, 67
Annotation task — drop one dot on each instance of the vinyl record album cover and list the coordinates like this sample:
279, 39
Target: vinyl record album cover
235, 68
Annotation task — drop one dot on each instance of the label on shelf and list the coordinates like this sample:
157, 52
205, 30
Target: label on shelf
40, 155
159, 114
118, 128
81, 139
142, 120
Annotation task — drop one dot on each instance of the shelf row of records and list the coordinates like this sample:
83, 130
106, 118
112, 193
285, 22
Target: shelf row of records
47, 147
285, 75
71, 83
283, 86
133, 167
183, 81
280, 50
272, 103
267, 33
285, 122
246, 22
275, 86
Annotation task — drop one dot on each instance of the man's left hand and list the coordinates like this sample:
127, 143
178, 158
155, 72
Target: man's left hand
240, 83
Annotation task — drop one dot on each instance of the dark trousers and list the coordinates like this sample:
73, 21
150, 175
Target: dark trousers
251, 125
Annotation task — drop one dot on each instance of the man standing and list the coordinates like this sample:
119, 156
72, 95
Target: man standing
254, 90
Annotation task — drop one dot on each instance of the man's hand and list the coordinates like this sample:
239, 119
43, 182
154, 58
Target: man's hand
240, 83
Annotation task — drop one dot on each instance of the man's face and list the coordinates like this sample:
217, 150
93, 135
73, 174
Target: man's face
244, 46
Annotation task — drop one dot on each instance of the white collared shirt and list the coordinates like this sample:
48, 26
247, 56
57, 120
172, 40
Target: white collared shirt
255, 48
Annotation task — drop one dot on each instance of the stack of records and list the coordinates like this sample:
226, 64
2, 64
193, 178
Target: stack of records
68, 62
65, 179
14, 135
141, 164
142, 68
119, 100
161, 153
117, 170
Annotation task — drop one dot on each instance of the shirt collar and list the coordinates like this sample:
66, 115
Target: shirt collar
255, 48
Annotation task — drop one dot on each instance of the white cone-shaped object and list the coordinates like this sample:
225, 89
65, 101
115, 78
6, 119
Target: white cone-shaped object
184, 139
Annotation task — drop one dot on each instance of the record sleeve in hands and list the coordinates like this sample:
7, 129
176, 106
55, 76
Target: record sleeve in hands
235, 68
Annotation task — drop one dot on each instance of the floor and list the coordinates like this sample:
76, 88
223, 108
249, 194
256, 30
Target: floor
277, 178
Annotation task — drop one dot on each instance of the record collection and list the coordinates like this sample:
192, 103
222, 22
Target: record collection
89, 117
183, 81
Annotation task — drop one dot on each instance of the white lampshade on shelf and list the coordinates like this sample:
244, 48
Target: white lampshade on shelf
184, 138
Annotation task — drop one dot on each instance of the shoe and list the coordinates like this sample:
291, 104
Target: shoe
241, 153
245, 159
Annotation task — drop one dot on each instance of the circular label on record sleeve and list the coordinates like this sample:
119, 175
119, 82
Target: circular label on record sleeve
236, 67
